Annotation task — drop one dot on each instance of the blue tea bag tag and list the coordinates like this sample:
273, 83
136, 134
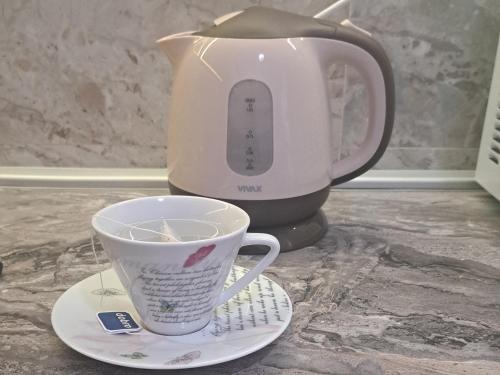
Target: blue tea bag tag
117, 322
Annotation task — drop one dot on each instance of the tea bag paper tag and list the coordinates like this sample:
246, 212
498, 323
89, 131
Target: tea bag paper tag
168, 234
117, 322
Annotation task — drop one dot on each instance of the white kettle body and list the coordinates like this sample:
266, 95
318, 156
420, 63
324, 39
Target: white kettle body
249, 120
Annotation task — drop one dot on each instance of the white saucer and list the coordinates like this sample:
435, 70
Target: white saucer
248, 322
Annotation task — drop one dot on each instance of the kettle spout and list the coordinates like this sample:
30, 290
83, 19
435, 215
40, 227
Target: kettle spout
175, 46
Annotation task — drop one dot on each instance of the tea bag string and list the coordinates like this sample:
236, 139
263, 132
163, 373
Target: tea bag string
167, 230
92, 234
167, 234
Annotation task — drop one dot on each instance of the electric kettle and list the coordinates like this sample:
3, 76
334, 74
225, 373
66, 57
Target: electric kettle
249, 118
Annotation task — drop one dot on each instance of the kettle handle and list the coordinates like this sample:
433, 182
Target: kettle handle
368, 57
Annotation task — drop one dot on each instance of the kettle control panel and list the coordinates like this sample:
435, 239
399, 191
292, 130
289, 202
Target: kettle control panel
250, 128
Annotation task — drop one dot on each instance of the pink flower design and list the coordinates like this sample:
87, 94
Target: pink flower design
199, 255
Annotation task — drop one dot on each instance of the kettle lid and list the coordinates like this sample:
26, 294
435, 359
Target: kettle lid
268, 23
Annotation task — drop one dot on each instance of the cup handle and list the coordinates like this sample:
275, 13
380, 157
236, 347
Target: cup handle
252, 239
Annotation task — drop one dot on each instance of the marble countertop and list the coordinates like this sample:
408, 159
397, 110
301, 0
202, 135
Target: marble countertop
405, 282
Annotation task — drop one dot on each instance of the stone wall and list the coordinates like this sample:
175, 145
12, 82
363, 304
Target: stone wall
82, 83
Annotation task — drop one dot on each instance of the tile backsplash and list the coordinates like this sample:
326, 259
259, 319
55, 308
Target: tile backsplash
82, 83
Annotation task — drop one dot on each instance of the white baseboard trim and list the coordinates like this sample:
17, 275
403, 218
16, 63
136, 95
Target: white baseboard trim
83, 177
414, 179
157, 178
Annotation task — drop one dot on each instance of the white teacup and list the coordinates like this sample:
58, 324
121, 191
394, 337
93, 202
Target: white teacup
175, 286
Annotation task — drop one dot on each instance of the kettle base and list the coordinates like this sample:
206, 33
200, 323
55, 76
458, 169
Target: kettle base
292, 236
296, 222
